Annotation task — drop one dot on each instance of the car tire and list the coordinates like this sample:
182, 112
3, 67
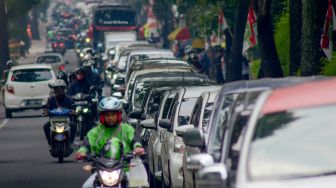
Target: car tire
8, 113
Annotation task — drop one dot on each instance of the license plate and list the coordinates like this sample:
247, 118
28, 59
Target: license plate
34, 102
81, 102
60, 137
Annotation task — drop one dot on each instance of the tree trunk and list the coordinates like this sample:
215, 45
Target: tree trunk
4, 50
35, 24
313, 15
270, 62
234, 65
295, 36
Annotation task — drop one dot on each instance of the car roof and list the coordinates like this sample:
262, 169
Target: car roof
308, 94
196, 91
31, 66
48, 54
158, 62
151, 51
171, 76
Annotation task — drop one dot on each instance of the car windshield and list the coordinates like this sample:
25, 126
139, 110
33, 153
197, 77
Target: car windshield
140, 92
122, 63
186, 108
48, 59
294, 144
31, 75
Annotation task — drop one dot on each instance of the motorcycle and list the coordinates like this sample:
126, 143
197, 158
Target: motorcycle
84, 115
109, 171
60, 133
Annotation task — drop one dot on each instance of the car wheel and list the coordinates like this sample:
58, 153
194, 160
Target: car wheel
8, 113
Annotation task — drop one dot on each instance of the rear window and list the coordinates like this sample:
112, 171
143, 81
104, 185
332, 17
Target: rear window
48, 59
31, 75
186, 108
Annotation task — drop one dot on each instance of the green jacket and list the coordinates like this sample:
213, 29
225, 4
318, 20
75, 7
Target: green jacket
98, 136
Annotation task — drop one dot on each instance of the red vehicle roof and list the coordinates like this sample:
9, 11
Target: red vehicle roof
300, 96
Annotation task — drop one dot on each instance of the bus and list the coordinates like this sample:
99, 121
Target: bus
109, 19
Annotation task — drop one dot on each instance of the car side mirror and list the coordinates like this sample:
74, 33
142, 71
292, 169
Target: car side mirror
194, 138
165, 123
180, 130
217, 173
197, 162
136, 115
148, 124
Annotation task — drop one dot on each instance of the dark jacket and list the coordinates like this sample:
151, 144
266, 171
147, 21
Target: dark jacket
54, 102
82, 86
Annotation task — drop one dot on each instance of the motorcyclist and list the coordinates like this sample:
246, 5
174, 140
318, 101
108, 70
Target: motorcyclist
81, 85
93, 77
9, 65
110, 126
58, 100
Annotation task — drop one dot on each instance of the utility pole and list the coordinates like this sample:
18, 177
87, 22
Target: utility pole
4, 50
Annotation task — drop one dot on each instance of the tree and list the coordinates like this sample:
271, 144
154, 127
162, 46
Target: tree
4, 51
295, 36
234, 65
270, 63
313, 14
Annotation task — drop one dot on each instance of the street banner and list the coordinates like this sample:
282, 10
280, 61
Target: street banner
250, 36
222, 23
329, 27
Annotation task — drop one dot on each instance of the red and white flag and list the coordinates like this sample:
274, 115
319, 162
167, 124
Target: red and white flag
250, 36
329, 27
222, 23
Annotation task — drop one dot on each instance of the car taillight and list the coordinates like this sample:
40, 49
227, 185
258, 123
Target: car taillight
61, 68
55, 45
179, 146
10, 89
62, 44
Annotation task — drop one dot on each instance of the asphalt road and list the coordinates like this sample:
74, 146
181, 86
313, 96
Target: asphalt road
24, 157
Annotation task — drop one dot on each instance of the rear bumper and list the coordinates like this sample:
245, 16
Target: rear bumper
19, 103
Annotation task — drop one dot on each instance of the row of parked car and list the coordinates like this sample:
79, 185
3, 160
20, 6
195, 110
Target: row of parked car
240, 134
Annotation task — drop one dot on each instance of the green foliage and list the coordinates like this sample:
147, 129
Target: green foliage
329, 67
254, 68
282, 40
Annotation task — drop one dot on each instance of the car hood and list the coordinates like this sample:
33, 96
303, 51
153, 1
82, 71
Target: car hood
320, 182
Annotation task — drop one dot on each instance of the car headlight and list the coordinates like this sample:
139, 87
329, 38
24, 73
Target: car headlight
110, 178
59, 129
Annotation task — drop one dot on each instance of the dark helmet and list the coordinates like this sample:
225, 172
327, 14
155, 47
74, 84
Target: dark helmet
80, 70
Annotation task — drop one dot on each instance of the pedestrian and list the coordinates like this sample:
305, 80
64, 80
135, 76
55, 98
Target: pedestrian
220, 66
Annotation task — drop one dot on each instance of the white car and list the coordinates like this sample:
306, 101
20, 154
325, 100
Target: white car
27, 87
54, 59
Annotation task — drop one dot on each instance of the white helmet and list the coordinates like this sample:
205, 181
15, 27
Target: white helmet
59, 83
109, 104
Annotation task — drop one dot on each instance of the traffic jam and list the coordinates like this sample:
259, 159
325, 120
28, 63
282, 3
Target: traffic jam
134, 114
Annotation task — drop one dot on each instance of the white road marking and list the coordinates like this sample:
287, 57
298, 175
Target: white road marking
3, 123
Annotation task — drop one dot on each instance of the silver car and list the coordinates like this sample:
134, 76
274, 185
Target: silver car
199, 119
54, 59
154, 141
172, 148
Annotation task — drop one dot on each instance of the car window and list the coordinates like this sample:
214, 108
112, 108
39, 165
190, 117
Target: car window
196, 113
217, 130
31, 75
186, 108
122, 63
166, 108
140, 94
206, 114
304, 140
154, 102
48, 59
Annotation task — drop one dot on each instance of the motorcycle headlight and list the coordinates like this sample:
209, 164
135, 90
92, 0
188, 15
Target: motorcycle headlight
78, 109
85, 110
81, 55
110, 178
59, 129
115, 76
78, 50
